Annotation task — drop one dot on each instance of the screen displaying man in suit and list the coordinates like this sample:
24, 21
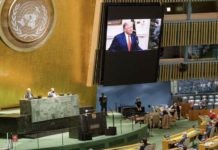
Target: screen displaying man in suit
126, 41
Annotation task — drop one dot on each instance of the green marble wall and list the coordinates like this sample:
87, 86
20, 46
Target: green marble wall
51, 108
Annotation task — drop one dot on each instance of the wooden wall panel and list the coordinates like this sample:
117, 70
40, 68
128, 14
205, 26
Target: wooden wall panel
151, 1
203, 69
62, 62
182, 33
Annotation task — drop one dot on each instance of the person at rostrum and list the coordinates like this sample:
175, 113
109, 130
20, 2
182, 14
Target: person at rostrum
126, 41
28, 94
52, 93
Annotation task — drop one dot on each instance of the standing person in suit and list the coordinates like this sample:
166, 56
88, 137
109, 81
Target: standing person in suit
138, 104
178, 111
103, 103
126, 41
173, 109
52, 93
28, 95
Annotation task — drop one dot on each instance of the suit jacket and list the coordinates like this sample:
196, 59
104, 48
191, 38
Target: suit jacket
119, 43
103, 101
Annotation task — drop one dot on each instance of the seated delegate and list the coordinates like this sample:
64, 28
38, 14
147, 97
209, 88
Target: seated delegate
28, 94
181, 143
52, 93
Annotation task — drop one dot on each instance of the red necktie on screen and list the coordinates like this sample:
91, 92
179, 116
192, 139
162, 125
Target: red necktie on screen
129, 43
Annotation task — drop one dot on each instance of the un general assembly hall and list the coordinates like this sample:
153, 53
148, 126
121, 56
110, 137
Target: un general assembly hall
109, 74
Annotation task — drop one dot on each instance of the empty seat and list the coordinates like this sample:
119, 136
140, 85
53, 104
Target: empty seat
211, 96
216, 96
191, 97
184, 98
197, 101
204, 96
190, 101
216, 100
196, 106
197, 97
216, 105
210, 105
211, 100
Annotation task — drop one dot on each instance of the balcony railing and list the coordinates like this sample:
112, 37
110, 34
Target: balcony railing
193, 32
153, 1
193, 70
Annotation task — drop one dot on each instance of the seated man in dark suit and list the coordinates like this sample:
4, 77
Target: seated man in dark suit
138, 104
126, 41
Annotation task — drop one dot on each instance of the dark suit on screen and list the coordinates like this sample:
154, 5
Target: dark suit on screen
119, 43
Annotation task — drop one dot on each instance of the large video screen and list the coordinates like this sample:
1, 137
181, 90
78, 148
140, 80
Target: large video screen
127, 35
131, 43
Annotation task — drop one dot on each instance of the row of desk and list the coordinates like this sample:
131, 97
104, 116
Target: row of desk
209, 144
173, 139
193, 114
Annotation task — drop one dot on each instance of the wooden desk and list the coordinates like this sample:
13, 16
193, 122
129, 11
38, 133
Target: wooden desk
211, 143
173, 139
186, 107
193, 114
202, 122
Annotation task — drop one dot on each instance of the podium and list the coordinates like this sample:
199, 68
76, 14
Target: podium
45, 109
90, 124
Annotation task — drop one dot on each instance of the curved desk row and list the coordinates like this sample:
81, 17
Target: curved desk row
211, 143
173, 139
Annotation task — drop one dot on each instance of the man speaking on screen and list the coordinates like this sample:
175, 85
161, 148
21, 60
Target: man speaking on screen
126, 41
